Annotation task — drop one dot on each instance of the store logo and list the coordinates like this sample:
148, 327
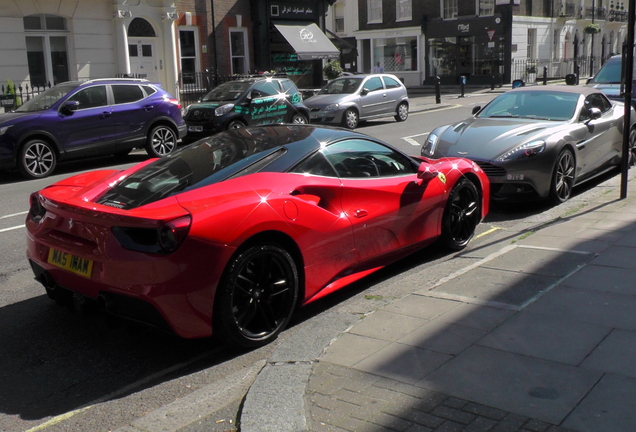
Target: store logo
464, 28
306, 36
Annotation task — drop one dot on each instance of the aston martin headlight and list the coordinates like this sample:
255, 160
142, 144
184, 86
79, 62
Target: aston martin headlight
429, 146
331, 107
529, 149
223, 109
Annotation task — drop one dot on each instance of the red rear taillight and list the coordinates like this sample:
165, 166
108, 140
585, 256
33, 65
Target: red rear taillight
173, 233
163, 240
36, 210
174, 102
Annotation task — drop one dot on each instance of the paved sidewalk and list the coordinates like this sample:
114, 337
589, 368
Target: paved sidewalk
535, 332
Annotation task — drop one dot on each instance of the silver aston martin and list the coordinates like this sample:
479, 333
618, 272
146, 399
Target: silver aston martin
539, 141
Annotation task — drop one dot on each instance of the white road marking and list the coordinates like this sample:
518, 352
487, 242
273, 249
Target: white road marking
13, 215
410, 140
11, 228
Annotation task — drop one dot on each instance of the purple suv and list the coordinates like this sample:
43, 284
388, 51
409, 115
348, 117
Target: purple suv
77, 119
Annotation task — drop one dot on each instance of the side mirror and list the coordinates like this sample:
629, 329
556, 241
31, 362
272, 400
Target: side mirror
426, 172
476, 109
255, 94
70, 106
595, 113
364, 91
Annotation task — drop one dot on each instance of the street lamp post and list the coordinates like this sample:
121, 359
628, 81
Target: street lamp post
592, 42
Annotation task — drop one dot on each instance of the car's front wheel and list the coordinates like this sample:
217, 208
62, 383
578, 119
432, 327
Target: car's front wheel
235, 124
161, 141
461, 215
563, 177
299, 119
350, 119
257, 296
37, 159
402, 112
632, 148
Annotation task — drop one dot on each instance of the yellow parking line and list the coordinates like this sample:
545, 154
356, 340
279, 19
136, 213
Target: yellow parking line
491, 230
58, 419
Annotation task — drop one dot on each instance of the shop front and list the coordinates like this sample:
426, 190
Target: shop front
472, 48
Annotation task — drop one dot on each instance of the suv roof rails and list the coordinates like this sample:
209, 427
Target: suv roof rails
117, 79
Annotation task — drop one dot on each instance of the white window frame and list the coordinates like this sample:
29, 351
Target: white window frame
532, 44
197, 54
449, 9
46, 34
374, 11
245, 56
405, 13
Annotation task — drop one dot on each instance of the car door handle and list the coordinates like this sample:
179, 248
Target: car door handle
106, 114
360, 213
148, 107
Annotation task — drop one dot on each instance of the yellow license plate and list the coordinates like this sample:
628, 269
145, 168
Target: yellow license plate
70, 262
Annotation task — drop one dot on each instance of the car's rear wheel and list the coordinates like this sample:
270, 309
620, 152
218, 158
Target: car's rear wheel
350, 119
461, 215
162, 140
37, 159
235, 124
402, 112
299, 119
257, 296
563, 177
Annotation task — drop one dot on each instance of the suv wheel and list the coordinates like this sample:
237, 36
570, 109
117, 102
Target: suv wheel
162, 141
299, 119
37, 159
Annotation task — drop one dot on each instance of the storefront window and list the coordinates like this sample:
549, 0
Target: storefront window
396, 54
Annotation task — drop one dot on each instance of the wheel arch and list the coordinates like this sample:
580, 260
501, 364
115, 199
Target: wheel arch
472, 177
284, 240
36, 135
163, 121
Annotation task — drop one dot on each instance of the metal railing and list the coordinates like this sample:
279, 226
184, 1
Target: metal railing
12, 95
532, 70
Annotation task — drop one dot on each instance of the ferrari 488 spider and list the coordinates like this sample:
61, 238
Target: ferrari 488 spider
233, 232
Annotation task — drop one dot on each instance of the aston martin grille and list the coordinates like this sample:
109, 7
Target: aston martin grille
491, 170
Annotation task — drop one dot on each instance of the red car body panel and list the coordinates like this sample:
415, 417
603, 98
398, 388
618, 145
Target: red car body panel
343, 229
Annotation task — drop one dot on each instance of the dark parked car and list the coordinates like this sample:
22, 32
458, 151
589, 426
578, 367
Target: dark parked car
538, 141
608, 79
246, 102
78, 119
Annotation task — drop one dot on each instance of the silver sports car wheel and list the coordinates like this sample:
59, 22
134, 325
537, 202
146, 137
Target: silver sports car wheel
162, 141
37, 159
563, 177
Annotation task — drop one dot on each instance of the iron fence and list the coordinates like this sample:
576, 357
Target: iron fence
12, 95
192, 86
533, 70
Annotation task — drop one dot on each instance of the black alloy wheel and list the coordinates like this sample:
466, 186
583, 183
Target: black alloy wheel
461, 215
563, 177
162, 141
37, 159
257, 296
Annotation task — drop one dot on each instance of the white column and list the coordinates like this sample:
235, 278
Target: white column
121, 47
171, 56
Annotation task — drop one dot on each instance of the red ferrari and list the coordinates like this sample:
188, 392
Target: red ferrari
232, 233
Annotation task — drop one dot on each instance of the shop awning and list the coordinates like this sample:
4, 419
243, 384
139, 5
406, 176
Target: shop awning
308, 41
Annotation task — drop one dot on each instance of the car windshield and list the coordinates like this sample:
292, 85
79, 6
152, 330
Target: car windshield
48, 98
540, 105
341, 86
227, 92
610, 73
206, 162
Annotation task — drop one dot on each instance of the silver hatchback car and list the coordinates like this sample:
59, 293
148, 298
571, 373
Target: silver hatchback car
350, 99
